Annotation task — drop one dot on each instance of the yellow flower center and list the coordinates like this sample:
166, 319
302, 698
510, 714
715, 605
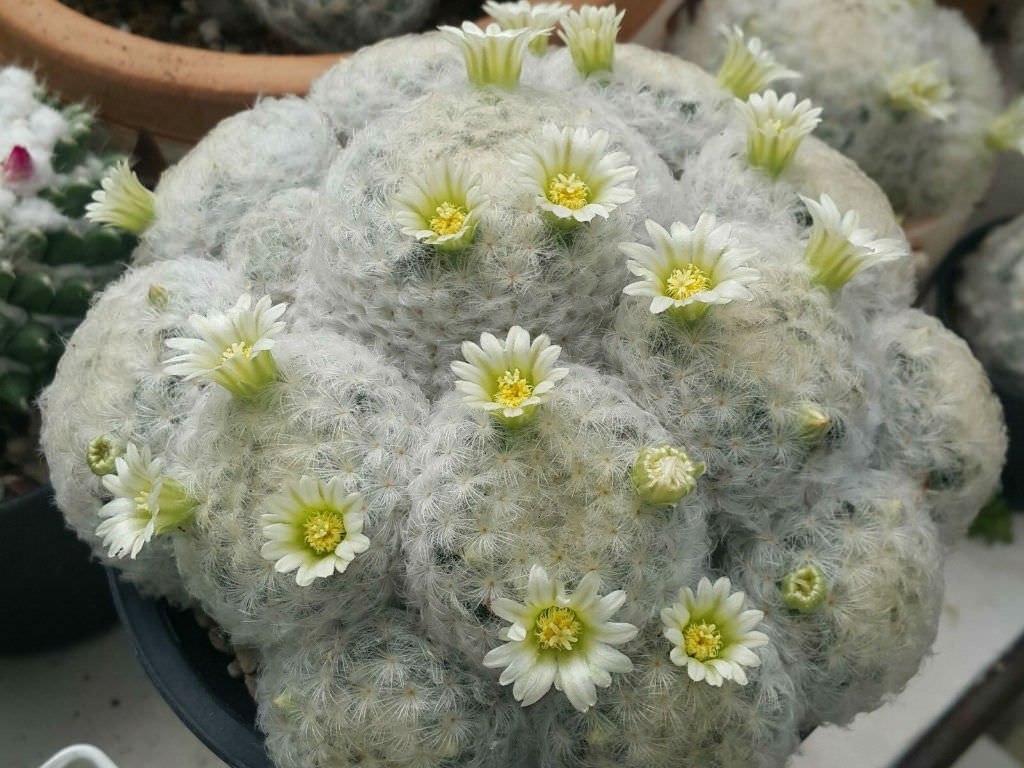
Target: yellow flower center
685, 282
570, 191
238, 349
513, 389
449, 220
558, 628
702, 641
142, 505
324, 529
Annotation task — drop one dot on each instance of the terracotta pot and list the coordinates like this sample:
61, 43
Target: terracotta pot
173, 93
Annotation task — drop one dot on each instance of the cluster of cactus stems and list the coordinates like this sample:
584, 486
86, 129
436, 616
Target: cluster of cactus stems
527, 406
52, 260
923, 116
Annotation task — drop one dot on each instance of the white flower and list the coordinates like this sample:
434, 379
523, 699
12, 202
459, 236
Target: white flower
313, 527
145, 503
689, 270
122, 202
561, 639
508, 380
493, 56
665, 474
573, 177
589, 34
748, 68
233, 349
921, 89
712, 636
1006, 132
526, 15
775, 128
441, 208
837, 250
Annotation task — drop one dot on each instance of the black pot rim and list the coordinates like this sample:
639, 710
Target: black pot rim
161, 653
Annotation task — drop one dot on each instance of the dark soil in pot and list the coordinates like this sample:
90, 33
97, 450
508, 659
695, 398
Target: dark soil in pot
182, 22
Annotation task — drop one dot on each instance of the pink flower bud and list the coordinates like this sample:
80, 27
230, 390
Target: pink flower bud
18, 166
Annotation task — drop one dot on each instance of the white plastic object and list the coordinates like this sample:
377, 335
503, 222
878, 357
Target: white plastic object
87, 752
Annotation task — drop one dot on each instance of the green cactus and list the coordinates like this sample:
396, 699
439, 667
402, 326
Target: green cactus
52, 260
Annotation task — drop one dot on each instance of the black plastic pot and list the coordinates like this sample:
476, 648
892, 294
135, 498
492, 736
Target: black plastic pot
192, 676
1008, 387
51, 593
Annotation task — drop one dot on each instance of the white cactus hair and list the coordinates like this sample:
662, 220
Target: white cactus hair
343, 414
799, 410
111, 381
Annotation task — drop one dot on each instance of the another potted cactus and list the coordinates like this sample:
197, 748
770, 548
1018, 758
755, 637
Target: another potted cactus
529, 407
175, 93
52, 261
981, 291
908, 92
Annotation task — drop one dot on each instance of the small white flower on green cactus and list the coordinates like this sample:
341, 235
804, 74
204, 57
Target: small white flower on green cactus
687, 271
711, 635
493, 56
837, 250
804, 589
1006, 131
775, 128
314, 528
233, 348
122, 201
573, 176
526, 15
589, 34
146, 503
561, 639
748, 68
921, 89
508, 379
442, 207
102, 454
665, 474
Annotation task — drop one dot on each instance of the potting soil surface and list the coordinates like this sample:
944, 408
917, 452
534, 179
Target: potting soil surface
180, 21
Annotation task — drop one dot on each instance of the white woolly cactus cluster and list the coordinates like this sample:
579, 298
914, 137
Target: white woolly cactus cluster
530, 406
907, 89
341, 25
990, 299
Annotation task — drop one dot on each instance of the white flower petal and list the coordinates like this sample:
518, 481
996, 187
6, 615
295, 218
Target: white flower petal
576, 656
